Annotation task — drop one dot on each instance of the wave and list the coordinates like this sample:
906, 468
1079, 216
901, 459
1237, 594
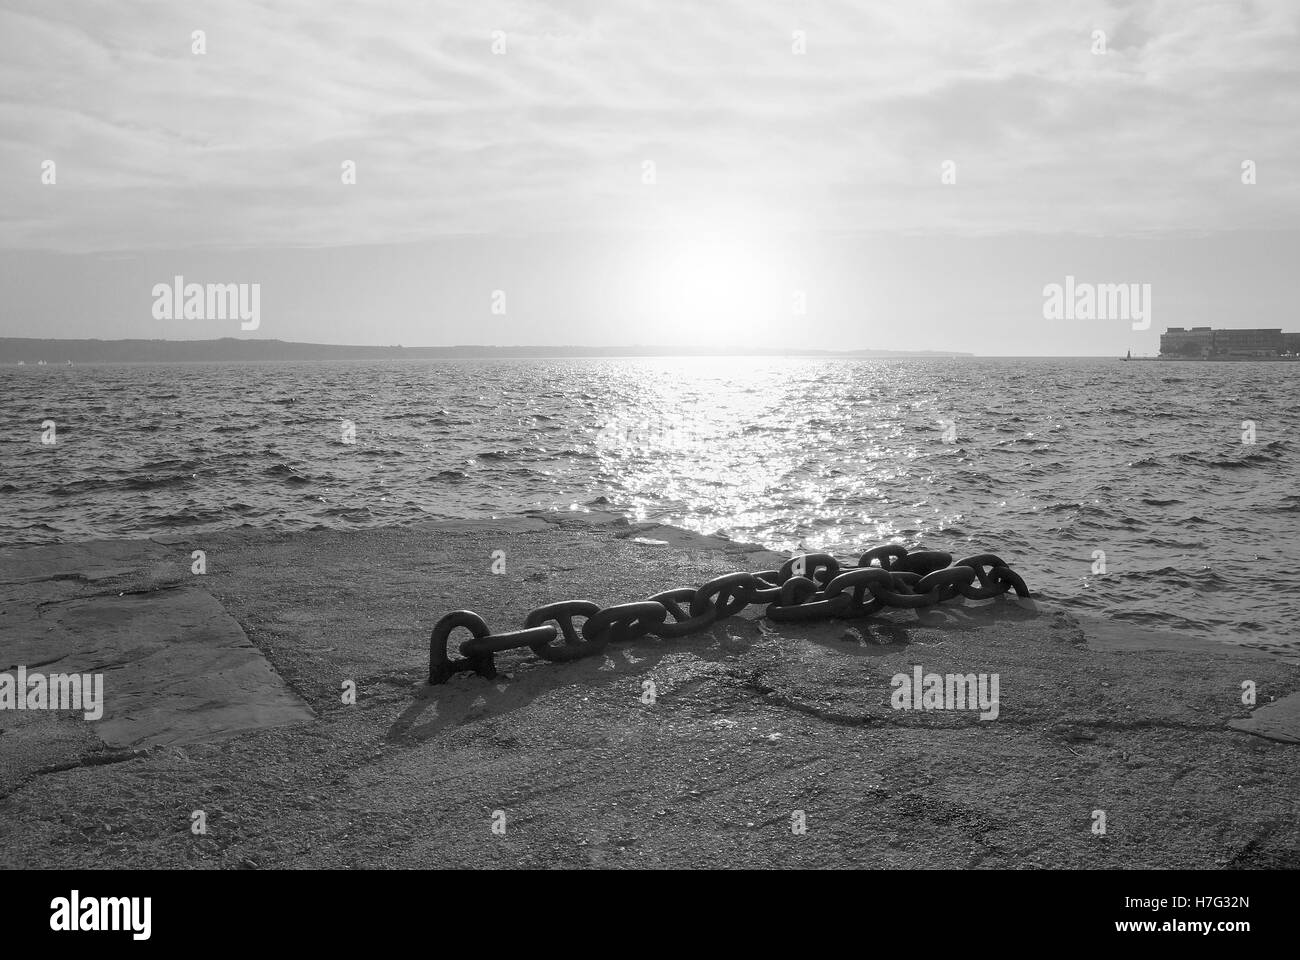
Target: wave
285, 473
79, 487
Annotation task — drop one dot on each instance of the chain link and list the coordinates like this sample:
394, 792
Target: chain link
811, 586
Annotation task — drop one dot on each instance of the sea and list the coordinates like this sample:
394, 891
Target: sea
1157, 493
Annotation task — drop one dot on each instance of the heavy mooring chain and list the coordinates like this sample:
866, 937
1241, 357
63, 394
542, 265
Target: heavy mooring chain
811, 586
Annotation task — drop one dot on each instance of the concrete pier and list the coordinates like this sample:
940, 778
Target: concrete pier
226, 694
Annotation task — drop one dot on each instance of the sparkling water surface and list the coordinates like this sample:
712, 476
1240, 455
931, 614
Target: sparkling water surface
1043, 461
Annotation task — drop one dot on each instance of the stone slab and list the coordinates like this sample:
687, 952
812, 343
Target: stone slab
177, 667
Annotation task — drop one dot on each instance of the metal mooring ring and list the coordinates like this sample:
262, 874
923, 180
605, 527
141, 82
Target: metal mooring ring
563, 613
500, 642
1009, 576
684, 624
767, 586
733, 591
812, 565
441, 667
945, 584
988, 586
624, 621
896, 551
859, 580
822, 609
922, 562
911, 600
797, 591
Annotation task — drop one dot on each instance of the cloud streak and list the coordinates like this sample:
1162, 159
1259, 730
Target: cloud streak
241, 148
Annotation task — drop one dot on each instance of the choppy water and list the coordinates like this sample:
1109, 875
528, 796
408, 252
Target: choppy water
1050, 461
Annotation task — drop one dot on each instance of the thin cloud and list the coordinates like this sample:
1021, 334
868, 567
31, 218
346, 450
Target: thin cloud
157, 148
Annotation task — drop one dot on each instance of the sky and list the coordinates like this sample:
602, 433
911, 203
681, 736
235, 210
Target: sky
763, 173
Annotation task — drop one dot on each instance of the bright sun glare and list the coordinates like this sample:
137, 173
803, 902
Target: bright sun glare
712, 289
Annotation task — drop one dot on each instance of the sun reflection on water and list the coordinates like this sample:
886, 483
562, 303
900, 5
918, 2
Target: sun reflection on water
728, 445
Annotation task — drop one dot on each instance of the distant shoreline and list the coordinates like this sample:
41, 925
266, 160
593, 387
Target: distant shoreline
60, 364
34, 352
31, 351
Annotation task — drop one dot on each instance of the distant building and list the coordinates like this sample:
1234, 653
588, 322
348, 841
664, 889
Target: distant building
1248, 343
1206, 342
1196, 342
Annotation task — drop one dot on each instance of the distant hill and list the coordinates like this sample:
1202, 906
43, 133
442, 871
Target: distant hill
28, 350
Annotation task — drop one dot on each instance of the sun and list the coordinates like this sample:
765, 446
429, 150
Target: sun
710, 289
